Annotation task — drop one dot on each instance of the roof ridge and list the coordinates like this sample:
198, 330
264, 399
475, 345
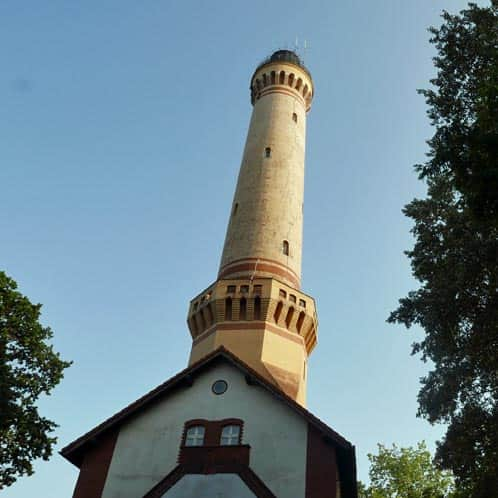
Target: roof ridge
72, 451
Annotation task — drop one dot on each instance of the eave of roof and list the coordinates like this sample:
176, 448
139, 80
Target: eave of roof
74, 452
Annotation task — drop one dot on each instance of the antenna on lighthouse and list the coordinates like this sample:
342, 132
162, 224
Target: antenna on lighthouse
305, 48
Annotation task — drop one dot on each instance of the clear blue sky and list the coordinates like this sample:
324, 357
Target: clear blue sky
122, 125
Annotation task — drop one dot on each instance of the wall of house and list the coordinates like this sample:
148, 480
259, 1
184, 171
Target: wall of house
147, 447
210, 486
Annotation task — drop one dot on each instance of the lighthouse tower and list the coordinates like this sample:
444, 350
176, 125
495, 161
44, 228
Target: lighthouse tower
256, 308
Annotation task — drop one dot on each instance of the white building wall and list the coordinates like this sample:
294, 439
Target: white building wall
210, 486
147, 447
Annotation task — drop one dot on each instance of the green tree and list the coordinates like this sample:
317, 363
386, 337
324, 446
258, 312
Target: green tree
455, 257
29, 367
405, 473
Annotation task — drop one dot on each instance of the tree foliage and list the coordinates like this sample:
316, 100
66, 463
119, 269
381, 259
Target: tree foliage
455, 257
405, 473
29, 367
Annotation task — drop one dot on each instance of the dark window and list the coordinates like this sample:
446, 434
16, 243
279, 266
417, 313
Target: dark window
244, 289
302, 303
235, 207
268, 152
228, 308
281, 78
200, 320
294, 117
292, 298
257, 308
278, 312
300, 320
243, 309
282, 293
285, 247
258, 289
219, 387
288, 318
231, 289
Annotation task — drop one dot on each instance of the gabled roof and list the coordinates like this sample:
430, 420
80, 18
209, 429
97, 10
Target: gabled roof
75, 451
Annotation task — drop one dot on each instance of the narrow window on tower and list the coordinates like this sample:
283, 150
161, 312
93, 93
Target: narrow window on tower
228, 308
285, 247
278, 312
300, 321
288, 318
268, 152
257, 308
294, 117
281, 78
243, 309
235, 208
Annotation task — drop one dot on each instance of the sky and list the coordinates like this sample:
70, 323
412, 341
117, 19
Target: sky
122, 126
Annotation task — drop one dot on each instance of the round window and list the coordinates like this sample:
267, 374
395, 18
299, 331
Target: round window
219, 387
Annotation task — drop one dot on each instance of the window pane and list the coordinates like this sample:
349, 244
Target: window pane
195, 436
230, 435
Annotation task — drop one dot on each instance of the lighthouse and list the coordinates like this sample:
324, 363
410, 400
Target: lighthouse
234, 422
256, 308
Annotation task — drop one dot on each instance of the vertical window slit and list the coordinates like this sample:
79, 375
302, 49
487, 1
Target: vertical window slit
228, 308
288, 318
257, 308
285, 247
243, 309
278, 312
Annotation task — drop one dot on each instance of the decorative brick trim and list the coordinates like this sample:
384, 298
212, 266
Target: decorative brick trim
253, 482
210, 457
321, 467
93, 470
255, 260
213, 428
281, 89
263, 265
236, 326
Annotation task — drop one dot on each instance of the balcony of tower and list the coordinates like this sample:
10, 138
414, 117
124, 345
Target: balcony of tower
242, 305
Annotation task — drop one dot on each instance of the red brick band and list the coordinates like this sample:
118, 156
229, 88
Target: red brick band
321, 467
93, 470
252, 266
237, 326
281, 89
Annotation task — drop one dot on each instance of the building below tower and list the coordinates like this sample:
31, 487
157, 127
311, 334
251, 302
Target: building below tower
216, 430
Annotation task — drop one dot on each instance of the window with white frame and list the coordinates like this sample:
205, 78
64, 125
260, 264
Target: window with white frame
195, 436
230, 435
